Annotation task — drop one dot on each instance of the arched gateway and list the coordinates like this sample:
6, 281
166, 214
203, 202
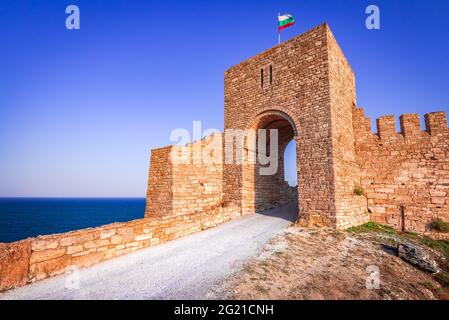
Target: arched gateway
266, 190
307, 84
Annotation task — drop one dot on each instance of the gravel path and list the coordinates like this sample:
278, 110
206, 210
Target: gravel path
187, 268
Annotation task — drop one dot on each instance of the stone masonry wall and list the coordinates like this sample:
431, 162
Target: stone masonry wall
160, 183
409, 168
176, 188
350, 209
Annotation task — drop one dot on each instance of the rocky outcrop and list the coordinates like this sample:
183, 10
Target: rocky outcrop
417, 256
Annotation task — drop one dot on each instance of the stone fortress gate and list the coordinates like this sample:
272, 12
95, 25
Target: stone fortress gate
305, 88
347, 174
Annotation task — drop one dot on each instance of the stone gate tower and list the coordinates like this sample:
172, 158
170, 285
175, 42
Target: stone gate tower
306, 89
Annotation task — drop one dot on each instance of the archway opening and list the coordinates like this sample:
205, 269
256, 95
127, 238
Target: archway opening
268, 181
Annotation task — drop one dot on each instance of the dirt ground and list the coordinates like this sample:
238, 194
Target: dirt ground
328, 264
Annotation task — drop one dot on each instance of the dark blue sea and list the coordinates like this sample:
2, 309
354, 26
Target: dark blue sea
21, 218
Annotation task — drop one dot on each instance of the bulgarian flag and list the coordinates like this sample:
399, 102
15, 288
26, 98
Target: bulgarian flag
285, 21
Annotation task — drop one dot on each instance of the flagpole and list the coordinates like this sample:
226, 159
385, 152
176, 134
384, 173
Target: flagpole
279, 32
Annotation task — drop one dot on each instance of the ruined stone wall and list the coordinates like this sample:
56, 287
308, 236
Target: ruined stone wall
178, 187
409, 168
160, 183
198, 184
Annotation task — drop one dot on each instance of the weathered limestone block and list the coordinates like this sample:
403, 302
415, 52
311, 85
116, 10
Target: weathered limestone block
116, 239
126, 233
76, 238
107, 234
44, 243
48, 254
87, 260
143, 237
49, 268
74, 249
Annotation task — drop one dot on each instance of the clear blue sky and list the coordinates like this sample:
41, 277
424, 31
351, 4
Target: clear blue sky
80, 110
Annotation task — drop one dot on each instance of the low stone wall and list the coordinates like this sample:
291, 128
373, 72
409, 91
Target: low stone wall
42, 257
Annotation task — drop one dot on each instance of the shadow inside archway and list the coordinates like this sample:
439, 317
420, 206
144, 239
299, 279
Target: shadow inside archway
288, 212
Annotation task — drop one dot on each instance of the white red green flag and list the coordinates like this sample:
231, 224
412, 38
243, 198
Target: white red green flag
285, 21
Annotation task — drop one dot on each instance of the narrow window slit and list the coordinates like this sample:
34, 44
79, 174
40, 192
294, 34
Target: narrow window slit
271, 74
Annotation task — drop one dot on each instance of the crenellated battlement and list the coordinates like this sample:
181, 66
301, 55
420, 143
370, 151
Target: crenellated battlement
405, 173
436, 122
386, 127
410, 125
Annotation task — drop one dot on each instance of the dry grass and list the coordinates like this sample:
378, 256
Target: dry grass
328, 264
